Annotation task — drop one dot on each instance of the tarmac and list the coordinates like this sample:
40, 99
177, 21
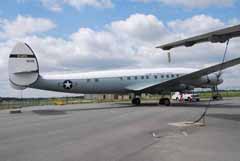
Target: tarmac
121, 132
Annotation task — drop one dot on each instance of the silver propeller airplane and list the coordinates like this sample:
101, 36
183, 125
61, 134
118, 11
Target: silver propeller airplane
24, 73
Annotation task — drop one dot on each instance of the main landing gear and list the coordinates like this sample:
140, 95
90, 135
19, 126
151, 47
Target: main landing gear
164, 101
136, 101
215, 94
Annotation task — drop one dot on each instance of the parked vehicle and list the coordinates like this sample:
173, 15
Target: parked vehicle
185, 97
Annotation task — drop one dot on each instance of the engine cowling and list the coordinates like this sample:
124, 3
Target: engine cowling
184, 87
212, 79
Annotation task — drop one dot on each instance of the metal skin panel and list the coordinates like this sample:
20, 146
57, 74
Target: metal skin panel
22, 66
114, 85
22, 59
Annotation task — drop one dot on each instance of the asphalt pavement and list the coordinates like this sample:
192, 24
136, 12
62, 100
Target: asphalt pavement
121, 132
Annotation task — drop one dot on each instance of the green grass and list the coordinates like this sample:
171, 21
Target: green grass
223, 93
13, 104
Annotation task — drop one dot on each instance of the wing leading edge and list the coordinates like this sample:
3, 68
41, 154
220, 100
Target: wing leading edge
219, 36
185, 78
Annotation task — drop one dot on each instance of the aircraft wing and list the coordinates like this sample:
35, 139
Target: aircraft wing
219, 36
182, 79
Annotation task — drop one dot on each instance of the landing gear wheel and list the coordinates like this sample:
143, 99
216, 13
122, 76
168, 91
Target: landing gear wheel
136, 101
217, 97
165, 101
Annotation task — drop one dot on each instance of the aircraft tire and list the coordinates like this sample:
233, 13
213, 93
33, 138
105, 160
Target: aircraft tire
165, 101
136, 101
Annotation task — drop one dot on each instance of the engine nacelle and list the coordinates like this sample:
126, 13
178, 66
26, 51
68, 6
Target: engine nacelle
184, 87
212, 79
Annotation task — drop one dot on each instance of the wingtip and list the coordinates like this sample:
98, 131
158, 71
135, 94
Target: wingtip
164, 47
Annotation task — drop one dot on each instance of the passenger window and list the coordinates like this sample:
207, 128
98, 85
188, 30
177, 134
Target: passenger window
177, 75
128, 78
162, 76
142, 77
155, 76
147, 77
167, 76
172, 76
88, 80
136, 77
96, 80
121, 78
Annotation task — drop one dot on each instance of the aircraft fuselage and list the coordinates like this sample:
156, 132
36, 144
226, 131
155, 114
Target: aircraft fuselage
112, 81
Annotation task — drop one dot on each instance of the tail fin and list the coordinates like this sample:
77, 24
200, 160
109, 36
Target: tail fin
22, 66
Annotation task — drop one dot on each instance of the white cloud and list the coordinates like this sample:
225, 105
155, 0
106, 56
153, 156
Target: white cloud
140, 27
57, 5
126, 43
234, 21
193, 4
95, 3
24, 25
195, 25
53, 5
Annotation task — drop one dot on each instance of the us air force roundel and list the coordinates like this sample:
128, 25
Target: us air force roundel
67, 84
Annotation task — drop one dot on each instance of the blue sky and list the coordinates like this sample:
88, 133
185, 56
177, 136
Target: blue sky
70, 18
91, 35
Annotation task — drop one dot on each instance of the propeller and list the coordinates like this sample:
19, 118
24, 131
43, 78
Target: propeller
218, 75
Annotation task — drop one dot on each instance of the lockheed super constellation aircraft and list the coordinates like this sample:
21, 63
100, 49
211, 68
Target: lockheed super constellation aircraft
24, 73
